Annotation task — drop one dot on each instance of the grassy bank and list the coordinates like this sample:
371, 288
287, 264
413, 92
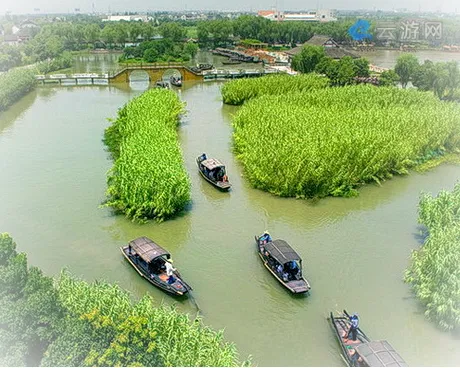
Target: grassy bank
240, 90
14, 84
331, 141
69, 322
148, 178
434, 272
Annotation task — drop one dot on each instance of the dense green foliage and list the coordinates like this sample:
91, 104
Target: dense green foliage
442, 78
308, 58
341, 73
73, 323
406, 66
148, 178
240, 90
29, 308
170, 48
123, 333
434, 273
14, 84
163, 50
62, 62
330, 141
10, 56
388, 78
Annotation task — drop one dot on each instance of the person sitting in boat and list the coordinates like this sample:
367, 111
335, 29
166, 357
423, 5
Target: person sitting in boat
225, 178
265, 237
279, 269
354, 356
294, 270
202, 157
352, 333
170, 271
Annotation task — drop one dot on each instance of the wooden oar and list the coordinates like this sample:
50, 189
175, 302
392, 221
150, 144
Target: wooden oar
189, 292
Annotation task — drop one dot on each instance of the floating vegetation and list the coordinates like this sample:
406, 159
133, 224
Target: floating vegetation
148, 178
240, 90
14, 84
330, 141
434, 272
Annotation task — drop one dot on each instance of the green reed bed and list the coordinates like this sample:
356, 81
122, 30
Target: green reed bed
68, 322
148, 178
240, 90
434, 272
330, 141
14, 84
173, 340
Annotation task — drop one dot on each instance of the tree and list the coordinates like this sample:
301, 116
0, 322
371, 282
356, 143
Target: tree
424, 76
453, 77
437, 77
203, 32
361, 67
346, 72
326, 66
442, 79
191, 49
309, 57
406, 67
29, 308
388, 78
92, 33
108, 35
173, 31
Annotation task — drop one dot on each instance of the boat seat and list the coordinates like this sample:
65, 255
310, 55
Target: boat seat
163, 277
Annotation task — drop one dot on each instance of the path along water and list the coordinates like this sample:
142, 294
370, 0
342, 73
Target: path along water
355, 250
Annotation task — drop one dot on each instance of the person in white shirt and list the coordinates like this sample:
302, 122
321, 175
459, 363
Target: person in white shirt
170, 271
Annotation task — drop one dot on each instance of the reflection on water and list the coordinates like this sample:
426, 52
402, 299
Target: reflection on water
387, 58
354, 250
16, 111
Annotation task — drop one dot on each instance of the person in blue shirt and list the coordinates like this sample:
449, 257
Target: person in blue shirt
353, 330
265, 238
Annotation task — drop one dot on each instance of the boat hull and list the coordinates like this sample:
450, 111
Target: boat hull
294, 286
221, 185
340, 325
178, 288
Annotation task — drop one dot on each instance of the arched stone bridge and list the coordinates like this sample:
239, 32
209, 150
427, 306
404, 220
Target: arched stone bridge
154, 71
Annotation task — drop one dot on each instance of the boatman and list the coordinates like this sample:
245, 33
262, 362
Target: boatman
353, 330
266, 238
170, 271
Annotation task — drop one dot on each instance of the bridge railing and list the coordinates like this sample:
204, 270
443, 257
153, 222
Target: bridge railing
135, 66
151, 65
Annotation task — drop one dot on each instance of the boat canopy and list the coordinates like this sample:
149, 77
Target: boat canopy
212, 163
281, 251
380, 354
147, 249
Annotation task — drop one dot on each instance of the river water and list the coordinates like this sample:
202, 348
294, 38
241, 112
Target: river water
355, 250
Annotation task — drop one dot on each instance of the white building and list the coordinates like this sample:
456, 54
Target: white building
311, 16
127, 18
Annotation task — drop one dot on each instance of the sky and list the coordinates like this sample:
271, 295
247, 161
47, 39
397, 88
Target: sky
85, 6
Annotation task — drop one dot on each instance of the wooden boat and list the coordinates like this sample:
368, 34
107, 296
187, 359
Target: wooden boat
231, 62
205, 66
363, 352
213, 171
175, 81
162, 84
278, 256
148, 258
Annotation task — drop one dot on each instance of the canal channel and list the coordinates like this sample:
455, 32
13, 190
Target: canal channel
355, 250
